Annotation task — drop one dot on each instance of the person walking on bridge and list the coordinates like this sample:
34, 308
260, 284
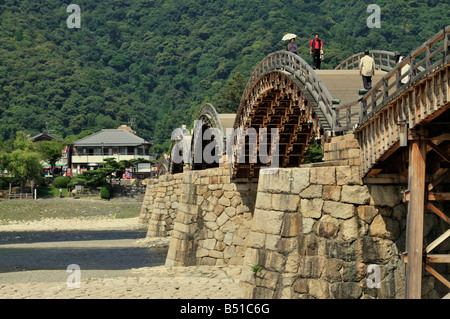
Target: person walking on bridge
292, 46
367, 70
315, 49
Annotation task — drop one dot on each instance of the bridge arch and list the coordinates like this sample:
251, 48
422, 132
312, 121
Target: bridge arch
210, 131
207, 120
188, 147
283, 93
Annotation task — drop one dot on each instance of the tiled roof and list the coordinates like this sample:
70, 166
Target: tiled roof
111, 137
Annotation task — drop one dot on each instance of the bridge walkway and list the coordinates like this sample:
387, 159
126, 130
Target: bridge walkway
343, 85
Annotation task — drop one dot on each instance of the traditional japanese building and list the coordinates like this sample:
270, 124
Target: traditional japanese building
122, 144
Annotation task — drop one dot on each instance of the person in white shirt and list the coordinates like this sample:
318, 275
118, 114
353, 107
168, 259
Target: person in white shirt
367, 70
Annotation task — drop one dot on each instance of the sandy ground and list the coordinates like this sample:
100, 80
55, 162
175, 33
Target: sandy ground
53, 224
158, 282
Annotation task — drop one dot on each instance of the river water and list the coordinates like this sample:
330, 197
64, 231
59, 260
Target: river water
45, 255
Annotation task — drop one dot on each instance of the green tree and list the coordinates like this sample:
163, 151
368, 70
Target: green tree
314, 153
24, 165
4, 150
110, 167
23, 142
227, 101
113, 168
50, 151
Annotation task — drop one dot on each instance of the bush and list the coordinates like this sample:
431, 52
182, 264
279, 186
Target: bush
75, 180
4, 182
105, 191
61, 181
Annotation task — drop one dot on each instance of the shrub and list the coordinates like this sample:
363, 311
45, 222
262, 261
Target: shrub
4, 182
105, 191
61, 181
71, 184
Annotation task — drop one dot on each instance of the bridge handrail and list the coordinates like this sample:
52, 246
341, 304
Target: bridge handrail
391, 84
384, 60
293, 63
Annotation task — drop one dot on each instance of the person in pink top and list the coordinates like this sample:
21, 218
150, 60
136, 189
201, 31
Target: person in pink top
315, 49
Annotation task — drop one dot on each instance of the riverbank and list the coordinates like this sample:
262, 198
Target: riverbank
22, 210
96, 257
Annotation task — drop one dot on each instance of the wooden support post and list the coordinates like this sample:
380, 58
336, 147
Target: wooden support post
414, 228
403, 133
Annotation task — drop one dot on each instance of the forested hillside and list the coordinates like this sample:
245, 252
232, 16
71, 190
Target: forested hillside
153, 63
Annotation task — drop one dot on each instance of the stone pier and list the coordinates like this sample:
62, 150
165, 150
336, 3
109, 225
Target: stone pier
310, 232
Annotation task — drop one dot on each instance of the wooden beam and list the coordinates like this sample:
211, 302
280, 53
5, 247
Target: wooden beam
414, 228
437, 275
438, 196
384, 179
431, 196
438, 180
431, 258
374, 172
437, 241
438, 150
438, 259
435, 210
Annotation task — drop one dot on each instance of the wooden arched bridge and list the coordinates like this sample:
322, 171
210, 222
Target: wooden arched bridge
402, 125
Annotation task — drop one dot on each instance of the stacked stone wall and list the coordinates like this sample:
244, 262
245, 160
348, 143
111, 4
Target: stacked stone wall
316, 236
213, 220
160, 204
147, 203
342, 150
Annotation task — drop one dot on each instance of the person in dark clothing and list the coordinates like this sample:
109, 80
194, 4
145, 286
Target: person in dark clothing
315, 47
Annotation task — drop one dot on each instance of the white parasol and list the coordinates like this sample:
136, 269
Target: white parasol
288, 36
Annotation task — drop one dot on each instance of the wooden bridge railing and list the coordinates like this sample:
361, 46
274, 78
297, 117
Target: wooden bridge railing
384, 60
294, 64
346, 114
421, 62
393, 107
410, 70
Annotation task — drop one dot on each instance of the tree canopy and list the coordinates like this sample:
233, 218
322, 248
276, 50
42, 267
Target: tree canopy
152, 63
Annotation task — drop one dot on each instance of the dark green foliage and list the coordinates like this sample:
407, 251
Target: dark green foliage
61, 181
50, 151
75, 181
94, 178
152, 63
105, 191
4, 182
103, 175
314, 153
229, 97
